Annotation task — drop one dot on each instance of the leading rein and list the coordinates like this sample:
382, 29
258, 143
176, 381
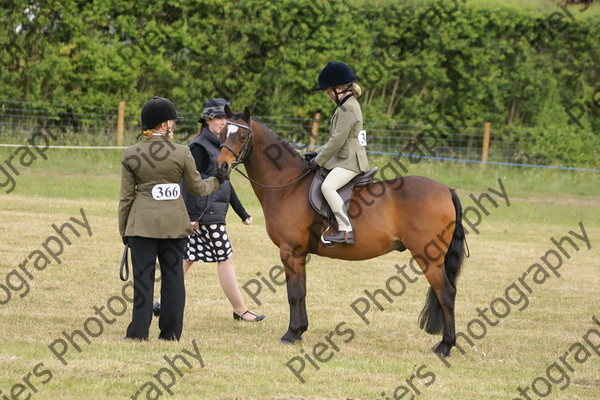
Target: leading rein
239, 158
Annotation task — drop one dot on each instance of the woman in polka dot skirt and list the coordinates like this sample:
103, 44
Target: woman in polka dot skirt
210, 242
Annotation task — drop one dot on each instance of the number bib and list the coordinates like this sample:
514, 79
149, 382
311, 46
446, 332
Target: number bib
166, 191
362, 138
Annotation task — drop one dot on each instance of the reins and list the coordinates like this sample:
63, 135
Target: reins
272, 187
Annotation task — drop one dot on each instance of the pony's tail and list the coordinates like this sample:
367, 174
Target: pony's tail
456, 252
431, 318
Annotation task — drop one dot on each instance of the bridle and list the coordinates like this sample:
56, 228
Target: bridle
239, 158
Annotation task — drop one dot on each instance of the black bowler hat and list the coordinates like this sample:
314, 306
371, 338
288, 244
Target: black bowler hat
158, 110
335, 73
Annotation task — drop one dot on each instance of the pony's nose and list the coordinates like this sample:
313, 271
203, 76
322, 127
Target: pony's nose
223, 170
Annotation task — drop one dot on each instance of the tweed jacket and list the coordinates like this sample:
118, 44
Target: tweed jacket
154, 161
343, 148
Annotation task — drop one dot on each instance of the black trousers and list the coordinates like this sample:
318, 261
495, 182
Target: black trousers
172, 290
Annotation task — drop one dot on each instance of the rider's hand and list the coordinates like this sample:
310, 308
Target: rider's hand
310, 155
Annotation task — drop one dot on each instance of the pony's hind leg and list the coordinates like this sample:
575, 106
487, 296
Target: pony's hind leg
446, 298
438, 313
443, 282
295, 275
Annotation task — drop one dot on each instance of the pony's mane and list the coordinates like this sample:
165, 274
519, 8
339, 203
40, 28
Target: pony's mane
277, 137
268, 131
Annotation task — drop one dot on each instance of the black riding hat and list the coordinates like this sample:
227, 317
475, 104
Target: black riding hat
158, 110
333, 74
214, 108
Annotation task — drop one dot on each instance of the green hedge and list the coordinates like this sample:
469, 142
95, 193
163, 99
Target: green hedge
414, 59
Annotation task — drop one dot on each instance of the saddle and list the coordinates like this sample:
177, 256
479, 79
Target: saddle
318, 202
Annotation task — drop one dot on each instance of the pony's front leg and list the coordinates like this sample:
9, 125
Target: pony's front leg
294, 263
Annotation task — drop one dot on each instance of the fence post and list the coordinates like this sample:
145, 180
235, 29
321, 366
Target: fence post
120, 123
314, 131
486, 143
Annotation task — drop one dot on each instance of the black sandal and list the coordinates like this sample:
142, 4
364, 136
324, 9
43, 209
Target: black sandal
257, 317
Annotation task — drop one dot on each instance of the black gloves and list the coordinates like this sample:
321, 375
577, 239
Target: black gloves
313, 165
310, 155
125, 239
310, 158
221, 180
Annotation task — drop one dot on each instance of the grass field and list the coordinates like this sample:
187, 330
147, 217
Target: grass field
388, 358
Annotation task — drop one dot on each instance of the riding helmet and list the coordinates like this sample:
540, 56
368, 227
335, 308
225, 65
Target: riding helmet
333, 74
158, 110
214, 108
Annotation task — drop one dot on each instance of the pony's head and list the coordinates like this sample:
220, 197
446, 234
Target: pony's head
236, 140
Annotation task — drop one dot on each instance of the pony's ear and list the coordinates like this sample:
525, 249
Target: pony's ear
246, 114
228, 112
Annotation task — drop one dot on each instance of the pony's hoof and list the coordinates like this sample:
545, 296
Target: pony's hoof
443, 349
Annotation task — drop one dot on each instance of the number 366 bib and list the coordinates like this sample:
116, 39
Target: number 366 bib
166, 191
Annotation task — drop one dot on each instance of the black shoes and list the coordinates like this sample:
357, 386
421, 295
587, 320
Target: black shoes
340, 237
257, 317
139, 339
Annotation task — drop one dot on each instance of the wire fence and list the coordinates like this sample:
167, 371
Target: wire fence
74, 124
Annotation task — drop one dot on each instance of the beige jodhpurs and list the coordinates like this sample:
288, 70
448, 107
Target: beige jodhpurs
337, 178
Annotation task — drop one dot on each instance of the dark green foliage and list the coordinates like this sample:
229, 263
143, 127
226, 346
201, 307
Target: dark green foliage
267, 55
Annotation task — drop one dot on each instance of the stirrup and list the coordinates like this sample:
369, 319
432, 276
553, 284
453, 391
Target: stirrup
325, 241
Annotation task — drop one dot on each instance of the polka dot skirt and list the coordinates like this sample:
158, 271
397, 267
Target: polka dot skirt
209, 243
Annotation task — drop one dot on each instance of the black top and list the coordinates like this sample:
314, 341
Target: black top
211, 209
